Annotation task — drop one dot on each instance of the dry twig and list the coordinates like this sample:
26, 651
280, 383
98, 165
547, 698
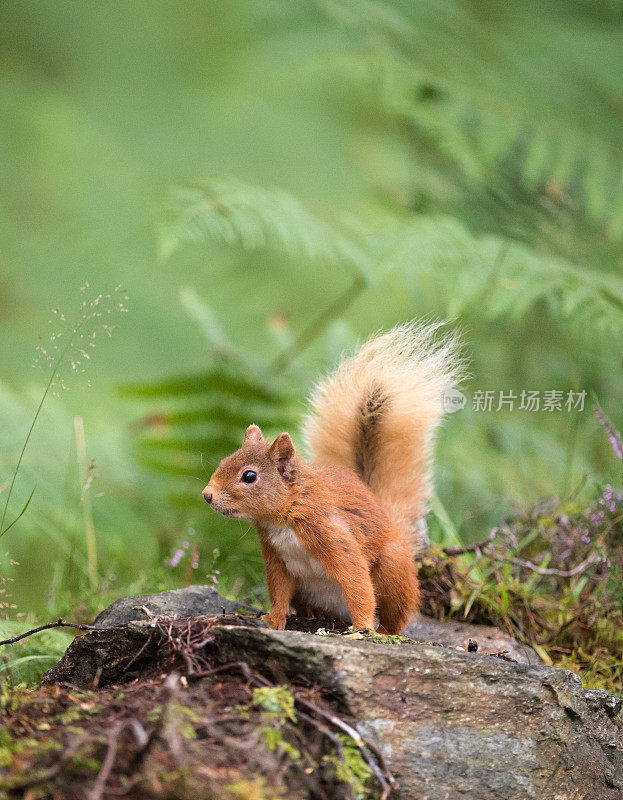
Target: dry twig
117, 729
484, 548
60, 623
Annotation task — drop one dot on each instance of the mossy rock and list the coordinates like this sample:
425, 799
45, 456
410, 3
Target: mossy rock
451, 724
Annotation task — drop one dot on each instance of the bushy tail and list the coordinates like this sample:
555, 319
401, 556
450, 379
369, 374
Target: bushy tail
377, 414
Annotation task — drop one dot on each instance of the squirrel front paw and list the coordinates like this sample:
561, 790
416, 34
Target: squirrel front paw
275, 621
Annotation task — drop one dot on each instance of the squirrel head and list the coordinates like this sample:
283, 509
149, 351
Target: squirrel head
256, 481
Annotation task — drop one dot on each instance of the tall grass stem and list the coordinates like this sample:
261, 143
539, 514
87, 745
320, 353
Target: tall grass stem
55, 369
85, 502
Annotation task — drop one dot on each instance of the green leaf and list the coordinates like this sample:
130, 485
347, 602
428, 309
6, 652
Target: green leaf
577, 589
21, 513
470, 601
504, 596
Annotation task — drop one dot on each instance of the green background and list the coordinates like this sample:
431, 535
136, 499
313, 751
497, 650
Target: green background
464, 157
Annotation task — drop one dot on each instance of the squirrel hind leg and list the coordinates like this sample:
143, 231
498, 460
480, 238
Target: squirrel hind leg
396, 587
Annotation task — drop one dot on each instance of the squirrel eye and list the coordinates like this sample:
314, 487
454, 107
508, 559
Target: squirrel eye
249, 476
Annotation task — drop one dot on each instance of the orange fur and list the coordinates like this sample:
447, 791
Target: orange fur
338, 536
408, 369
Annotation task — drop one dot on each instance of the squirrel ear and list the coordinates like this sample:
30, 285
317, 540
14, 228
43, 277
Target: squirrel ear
282, 450
253, 434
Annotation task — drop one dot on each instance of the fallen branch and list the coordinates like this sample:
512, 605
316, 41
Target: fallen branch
380, 769
60, 623
484, 548
471, 548
560, 573
117, 729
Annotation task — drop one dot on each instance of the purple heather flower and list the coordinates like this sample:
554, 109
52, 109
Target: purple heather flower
176, 557
614, 436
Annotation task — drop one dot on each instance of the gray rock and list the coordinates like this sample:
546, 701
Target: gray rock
451, 725
458, 634
457, 725
193, 601
599, 698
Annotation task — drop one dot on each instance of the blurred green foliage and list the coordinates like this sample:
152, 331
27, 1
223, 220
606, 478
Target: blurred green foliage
271, 182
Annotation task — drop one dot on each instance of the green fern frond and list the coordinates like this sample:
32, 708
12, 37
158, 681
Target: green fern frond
493, 130
216, 381
201, 418
253, 218
504, 265
497, 277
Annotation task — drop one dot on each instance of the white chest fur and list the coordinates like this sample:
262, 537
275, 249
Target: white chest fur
297, 560
313, 584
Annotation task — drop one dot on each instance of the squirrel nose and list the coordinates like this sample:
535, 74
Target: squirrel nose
207, 494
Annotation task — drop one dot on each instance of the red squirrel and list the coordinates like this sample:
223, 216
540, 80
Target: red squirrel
338, 534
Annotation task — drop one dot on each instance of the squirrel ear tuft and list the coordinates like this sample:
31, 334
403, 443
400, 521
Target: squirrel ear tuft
253, 434
282, 450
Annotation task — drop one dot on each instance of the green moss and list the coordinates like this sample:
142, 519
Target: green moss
29, 778
10, 747
186, 720
276, 701
276, 743
179, 775
276, 705
249, 790
187, 713
352, 770
72, 715
47, 746
7, 748
383, 638
188, 732
69, 716
154, 713
371, 636
11, 696
85, 763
